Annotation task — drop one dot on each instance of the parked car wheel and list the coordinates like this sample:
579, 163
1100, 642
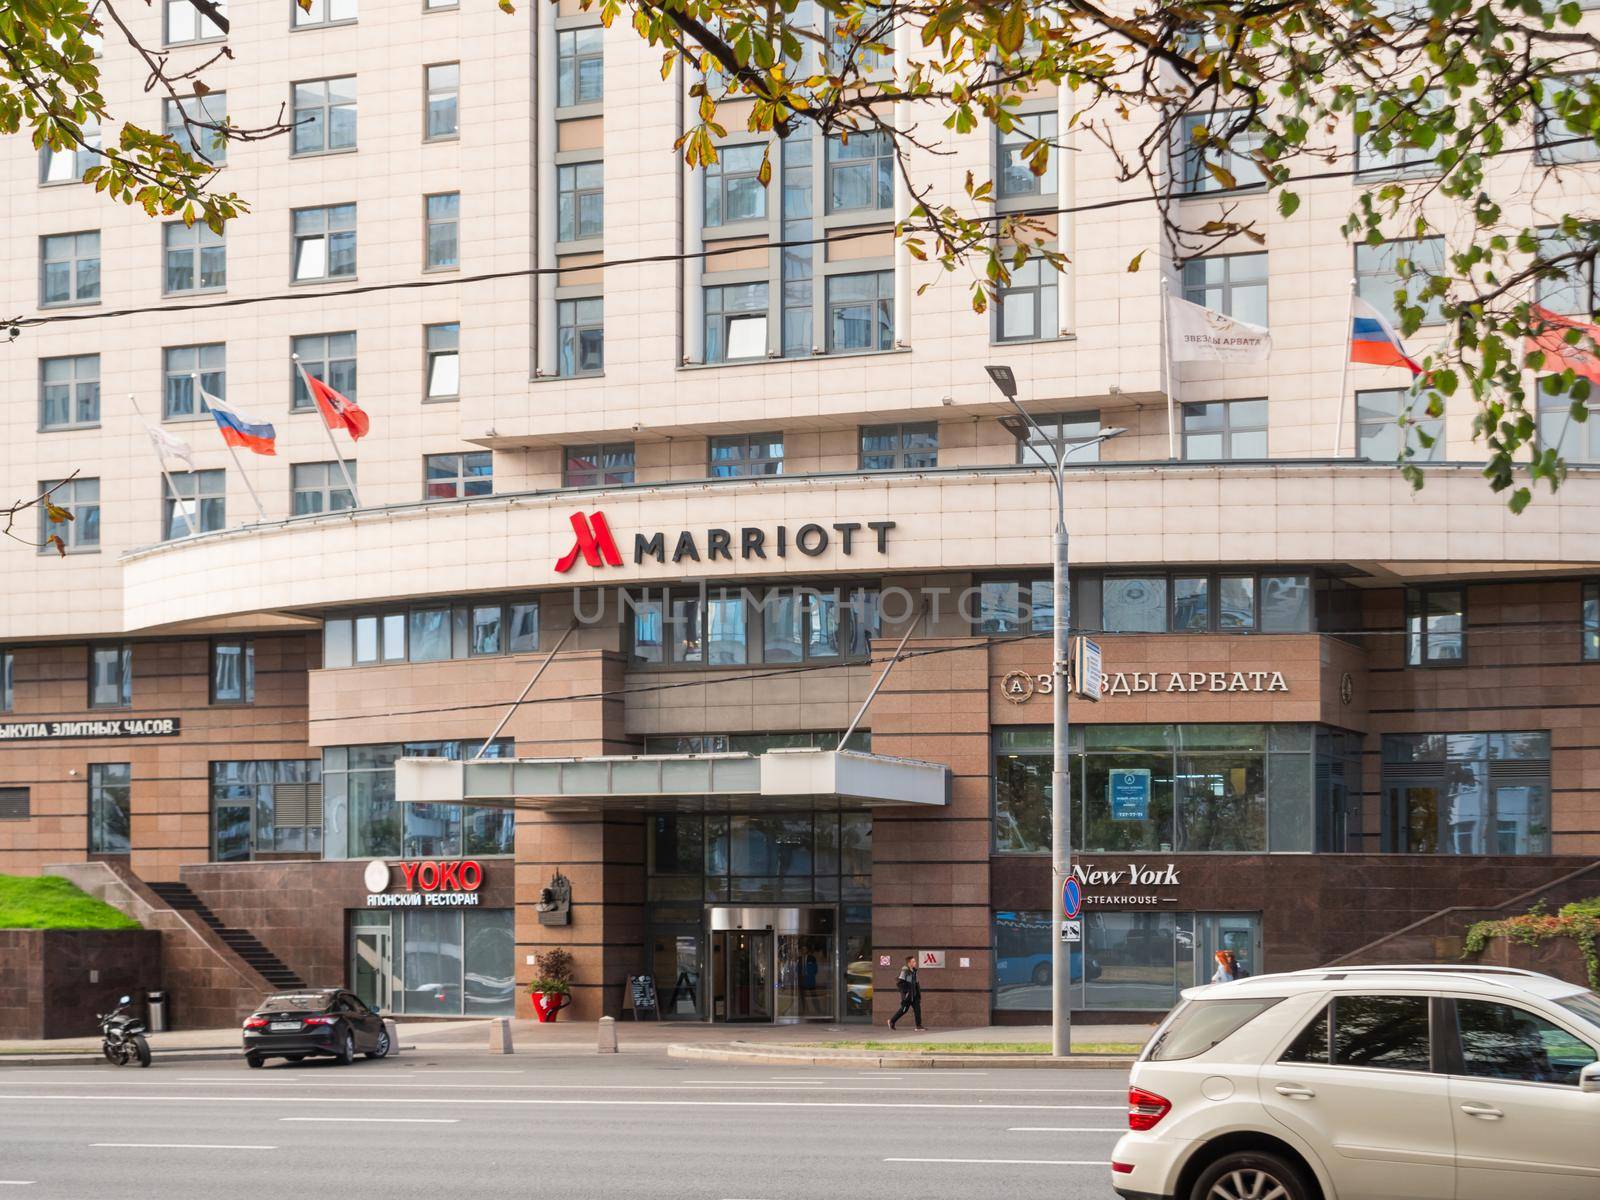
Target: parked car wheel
381, 1050
1251, 1175
347, 1048
1041, 974
253, 1061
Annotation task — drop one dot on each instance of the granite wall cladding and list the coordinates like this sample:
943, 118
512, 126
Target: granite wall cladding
45, 984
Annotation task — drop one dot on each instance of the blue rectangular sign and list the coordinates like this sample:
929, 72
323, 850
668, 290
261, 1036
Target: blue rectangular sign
1130, 795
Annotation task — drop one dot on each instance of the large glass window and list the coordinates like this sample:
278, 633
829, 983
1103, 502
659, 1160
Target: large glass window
186, 23
1502, 1041
860, 172
1562, 131
1402, 266
899, 447
861, 312
233, 672
434, 634
364, 820
609, 465
743, 455
580, 66
442, 360
195, 124
1381, 435
320, 487
1025, 308
324, 243
69, 391
791, 857
442, 83
733, 190
266, 809
324, 117
1232, 284
68, 164
736, 322
1076, 433
456, 476
188, 371
196, 258
1136, 605
69, 269
195, 502
1214, 152
329, 357
110, 791
442, 235
1232, 429
1467, 793
781, 625
80, 497
1436, 619
1016, 175
580, 201
1570, 287
581, 336
110, 676
433, 962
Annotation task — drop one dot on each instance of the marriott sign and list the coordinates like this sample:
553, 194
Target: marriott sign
594, 542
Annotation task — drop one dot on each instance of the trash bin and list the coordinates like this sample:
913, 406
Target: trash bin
157, 1002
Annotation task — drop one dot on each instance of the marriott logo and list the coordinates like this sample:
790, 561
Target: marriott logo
594, 543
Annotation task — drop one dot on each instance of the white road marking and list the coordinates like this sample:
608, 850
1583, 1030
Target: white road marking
1066, 1129
17, 1182
473, 1071
1011, 1162
570, 1102
696, 1086
377, 1120
171, 1146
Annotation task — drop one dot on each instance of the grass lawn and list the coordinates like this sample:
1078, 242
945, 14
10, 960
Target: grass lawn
982, 1047
46, 902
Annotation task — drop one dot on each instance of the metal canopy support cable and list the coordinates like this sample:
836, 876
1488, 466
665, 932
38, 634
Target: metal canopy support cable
889, 666
515, 704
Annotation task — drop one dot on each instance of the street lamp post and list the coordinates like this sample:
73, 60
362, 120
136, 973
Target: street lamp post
1060, 657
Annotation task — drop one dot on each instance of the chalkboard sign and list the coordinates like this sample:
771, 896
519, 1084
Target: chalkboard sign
644, 995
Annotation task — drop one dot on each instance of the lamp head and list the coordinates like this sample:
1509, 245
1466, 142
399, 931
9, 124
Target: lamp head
1004, 379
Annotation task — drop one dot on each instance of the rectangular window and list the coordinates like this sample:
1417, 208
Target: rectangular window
580, 66
863, 44
1026, 308
323, 12
8, 681
442, 216
324, 243
14, 804
581, 336
266, 809
319, 487
1214, 152
1571, 287
111, 676
186, 23
1466, 793
455, 476
69, 269
1016, 177
233, 672
709, 631
1562, 133
324, 116
67, 164
733, 190
1400, 266
1233, 429
580, 201
1381, 436
1075, 433
431, 634
69, 391
1285, 603
746, 454
443, 85
860, 172
1134, 605
1387, 1032
200, 505
196, 258
899, 447
736, 322
330, 357
1573, 441
609, 465
195, 124
80, 497
861, 312
186, 372
110, 785
1234, 285
1435, 624
1591, 623
443, 365
1381, 150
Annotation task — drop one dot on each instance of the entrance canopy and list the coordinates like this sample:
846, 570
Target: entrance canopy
776, 781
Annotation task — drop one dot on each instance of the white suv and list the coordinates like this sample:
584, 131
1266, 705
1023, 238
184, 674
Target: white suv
1369, 1083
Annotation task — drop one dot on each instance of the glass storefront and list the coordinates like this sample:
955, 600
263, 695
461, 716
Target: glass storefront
439, 962
266, 809
363, 819
1467, 793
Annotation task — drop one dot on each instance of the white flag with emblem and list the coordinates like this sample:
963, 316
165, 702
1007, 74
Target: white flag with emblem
167, 446
1199, 334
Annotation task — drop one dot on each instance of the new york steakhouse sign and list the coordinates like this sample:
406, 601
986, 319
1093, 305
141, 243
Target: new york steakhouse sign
594, 542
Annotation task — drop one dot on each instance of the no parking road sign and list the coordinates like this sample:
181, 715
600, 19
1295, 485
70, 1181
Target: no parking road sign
1071, 897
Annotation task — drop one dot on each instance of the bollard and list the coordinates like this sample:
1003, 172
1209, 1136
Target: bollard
608, 1036
500, 1036
394, 1037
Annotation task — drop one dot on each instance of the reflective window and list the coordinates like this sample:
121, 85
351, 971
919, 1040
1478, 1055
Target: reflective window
733, 190
320, 487
1214, 152
80, 497
580, 66
110, 676
581, 336
68, 163
442, 83
736, 322
1467, 793
1501, 1041
899, 447
1382, 432
329, 357
457, 476
1133, 605
189, 375
1591, 622
186, 23
442, 365
322, 12
69, 391
860, 172
233, 672
1402, 266
110, 788
324, 242
324, 116
196, 258
1562, 131
1016, 175
1383, 149
609, 465
364, 821
1435, 624
742, 455
1390, 1032
195, 124
266, 808
1232, 284
1025, 308
861, 312
442, 235
69, 268
193, 502
1232, 429
580, 201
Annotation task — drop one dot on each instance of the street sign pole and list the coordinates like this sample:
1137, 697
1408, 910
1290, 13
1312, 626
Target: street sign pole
1060, 776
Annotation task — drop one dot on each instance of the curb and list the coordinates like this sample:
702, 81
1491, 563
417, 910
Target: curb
76, 1058
750, 1052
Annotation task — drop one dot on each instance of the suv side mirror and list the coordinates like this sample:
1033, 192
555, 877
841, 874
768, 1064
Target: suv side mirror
1589, 1078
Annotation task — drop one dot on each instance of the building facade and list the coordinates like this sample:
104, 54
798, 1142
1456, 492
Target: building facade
712, 491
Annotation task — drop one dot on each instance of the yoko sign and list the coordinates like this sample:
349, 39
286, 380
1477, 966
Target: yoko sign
452, 883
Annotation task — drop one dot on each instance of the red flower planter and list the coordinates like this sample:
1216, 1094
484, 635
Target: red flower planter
547, 1004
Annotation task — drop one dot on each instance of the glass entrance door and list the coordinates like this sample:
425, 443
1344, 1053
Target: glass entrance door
372, 966
742, 974
1238, 932
233, 834
806, 988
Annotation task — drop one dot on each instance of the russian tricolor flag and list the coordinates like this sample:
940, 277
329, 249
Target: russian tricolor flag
239, 429
1374, 341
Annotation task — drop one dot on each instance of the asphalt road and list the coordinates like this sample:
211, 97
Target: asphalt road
566, 1127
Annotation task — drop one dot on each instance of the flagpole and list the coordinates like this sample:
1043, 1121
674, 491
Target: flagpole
233, 450
1166, 372
166, 475
349, 482
1344, 372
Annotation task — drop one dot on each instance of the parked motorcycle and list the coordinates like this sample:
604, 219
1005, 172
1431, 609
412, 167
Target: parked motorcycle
123, 1036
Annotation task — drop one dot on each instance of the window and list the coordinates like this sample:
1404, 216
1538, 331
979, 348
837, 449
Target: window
1016, 177
324, 116
1379, 276
200, 505
801, 625
14, 804
1591, 622
708, 629
265, 808
1572, 288
1390, 1032
110, 676
1561, 129
580, 201
320, 487
861, 312
80, 497
443, 231
1201, 1024
733, 186
784, 625
1134, 605
69, 391
8, 680
330, 357
581, 336
323, 12
196, 258
736, 322
186, 23
443, 82
1233, 429
1214, 146
186, 122
359, 786
860, 172
69, 269
109, 788
899, 447
1574, 441
1234, 285
856, 53
1025, 308
439, 5
598, 466
324, 243
1466, 793
188, 370
454, 476
1380, 436
1076, 433
1435, 618
233, 672
746, 454
431, 634
1499, 1041
68, 164
580, 66
1015, 605
443, 349
1382, 149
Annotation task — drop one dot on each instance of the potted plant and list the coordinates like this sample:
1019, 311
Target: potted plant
551, 990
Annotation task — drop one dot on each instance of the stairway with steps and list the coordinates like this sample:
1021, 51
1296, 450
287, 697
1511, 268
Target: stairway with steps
241, 941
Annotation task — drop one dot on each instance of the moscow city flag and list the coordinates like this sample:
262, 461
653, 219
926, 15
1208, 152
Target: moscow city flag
1559, 354
240, 429
1374, 341
338, 412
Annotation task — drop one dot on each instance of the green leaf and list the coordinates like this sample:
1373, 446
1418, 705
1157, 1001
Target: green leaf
1288, 202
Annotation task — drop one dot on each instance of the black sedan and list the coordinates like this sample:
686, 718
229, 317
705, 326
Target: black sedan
321, 1021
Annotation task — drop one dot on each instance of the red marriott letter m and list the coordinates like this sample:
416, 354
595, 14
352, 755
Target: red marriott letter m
592, 541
